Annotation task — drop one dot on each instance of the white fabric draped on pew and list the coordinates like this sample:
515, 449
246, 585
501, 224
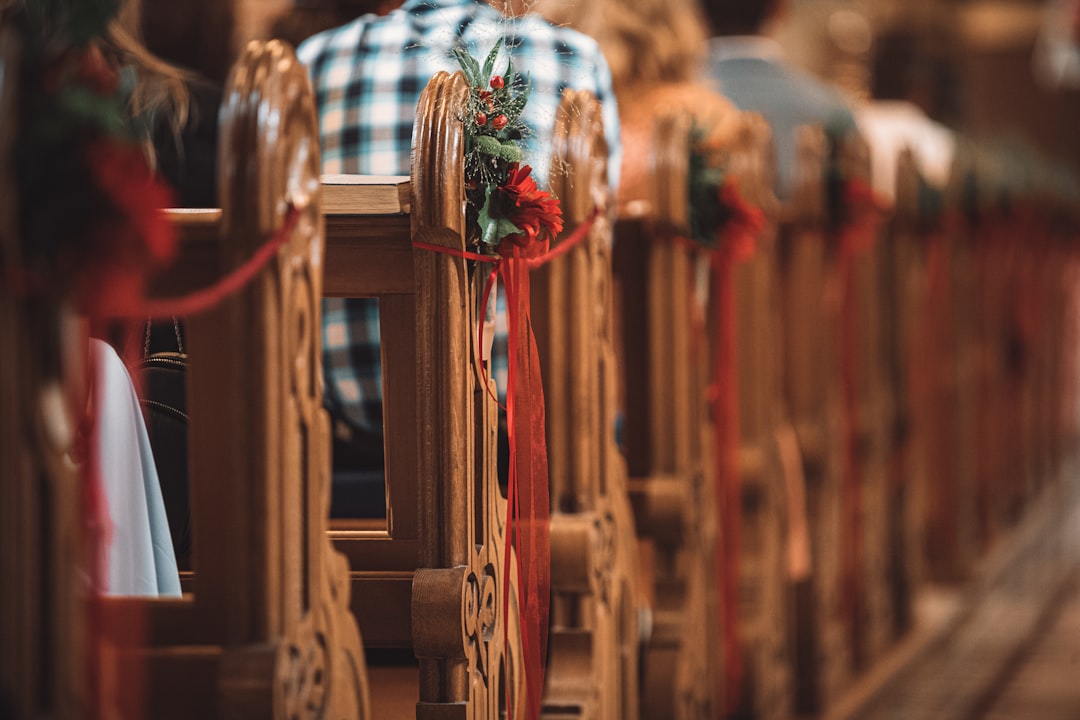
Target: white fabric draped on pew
141, 560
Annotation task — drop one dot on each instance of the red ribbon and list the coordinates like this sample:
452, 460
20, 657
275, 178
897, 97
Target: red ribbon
736, 242
206, 298
855, 237
27, 283
527, 495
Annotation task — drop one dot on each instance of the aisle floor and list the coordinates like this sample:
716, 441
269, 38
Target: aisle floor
1004, 647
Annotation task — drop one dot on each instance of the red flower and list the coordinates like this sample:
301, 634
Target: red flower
499, 122
481, 119
535, 212
497, 82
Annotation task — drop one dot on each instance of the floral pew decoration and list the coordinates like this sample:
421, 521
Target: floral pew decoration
724, 226
856, 218
511, 225
92, 235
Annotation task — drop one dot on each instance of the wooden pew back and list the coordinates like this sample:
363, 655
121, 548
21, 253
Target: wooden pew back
811, 386
266, 631
765, 512
432, 579
663, 354
593, 649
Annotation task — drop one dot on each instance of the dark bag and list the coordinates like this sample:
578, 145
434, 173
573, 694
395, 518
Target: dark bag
164, 404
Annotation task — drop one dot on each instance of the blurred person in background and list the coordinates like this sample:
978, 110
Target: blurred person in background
655, 49
368, 76
749, 69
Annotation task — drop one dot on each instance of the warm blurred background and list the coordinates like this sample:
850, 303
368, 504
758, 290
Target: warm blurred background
988, 68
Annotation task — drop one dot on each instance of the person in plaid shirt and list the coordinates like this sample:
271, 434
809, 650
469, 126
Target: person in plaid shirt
367, 77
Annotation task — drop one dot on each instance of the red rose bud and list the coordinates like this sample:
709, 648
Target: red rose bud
499, 122
497, 82
481, 119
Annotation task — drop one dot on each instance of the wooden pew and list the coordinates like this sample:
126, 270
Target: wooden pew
917, 222
266, 630
440, 551
765, 515
948, 513
667, 438
42, 596
873, 421
428, 579
593, 656
822, 651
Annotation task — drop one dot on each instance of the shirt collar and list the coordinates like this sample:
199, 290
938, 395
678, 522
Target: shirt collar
745, 47
410, 5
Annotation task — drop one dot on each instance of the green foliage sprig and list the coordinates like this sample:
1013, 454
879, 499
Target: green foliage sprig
493, 132
706, 175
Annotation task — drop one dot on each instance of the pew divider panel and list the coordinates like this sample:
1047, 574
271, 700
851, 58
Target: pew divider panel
874, 407
432, 581
821, 650
667, 438
592, 669
766, 510
267, 631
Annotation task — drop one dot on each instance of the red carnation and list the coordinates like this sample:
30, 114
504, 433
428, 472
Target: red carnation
534, 211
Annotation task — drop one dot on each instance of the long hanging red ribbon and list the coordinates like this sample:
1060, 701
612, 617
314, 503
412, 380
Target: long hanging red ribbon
856, 237
527, 494
932, 356
735, 243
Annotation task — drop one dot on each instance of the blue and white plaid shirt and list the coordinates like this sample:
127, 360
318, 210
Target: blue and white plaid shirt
367, 77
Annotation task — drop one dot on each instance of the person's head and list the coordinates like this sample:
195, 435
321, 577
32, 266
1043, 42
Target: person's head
644, 41
739, 17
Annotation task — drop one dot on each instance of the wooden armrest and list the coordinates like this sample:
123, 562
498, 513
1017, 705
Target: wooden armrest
368, 241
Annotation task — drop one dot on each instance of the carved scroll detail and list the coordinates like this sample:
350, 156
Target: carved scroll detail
270, 166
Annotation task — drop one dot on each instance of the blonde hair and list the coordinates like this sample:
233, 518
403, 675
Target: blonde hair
160, 89
645, 42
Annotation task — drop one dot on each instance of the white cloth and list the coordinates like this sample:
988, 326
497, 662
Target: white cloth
889, 127
141, 560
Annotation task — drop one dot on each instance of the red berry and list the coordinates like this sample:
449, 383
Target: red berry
497, 82
499, 122
481, 119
